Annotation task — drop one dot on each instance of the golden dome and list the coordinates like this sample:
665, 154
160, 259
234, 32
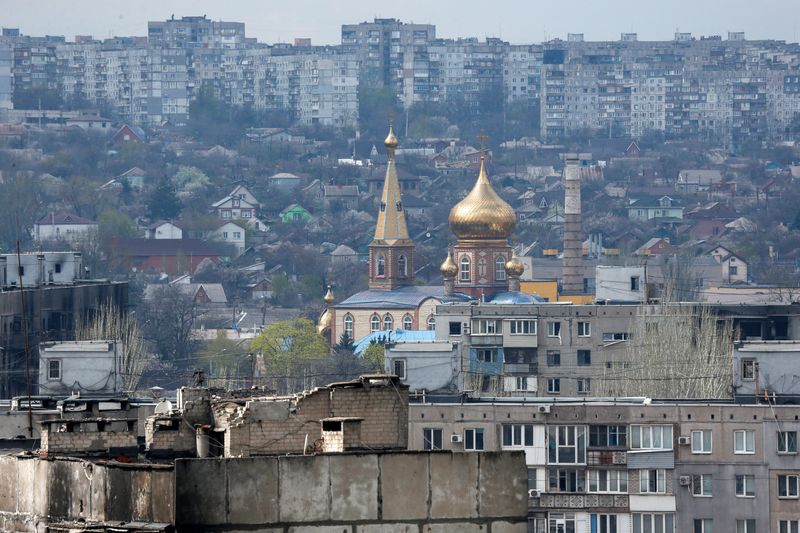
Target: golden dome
514, 267
449, 269
391, 140
482, 214
324, 321
328, 296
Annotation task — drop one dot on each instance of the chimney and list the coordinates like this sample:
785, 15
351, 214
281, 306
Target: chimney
571, 270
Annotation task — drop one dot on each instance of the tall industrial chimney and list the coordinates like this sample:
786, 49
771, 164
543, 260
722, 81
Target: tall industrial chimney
571, 270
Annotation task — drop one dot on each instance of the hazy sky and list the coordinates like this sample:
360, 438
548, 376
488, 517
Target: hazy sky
517, 21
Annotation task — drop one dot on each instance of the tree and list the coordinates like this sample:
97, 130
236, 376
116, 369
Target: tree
223, 360
190, 179
675, 351
18, 216
111, 323
170, 317
290, 354
162, 202
114, 224
374, 356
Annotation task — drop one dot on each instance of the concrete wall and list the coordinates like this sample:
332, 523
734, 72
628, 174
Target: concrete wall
89, 366
32, 489
401, 491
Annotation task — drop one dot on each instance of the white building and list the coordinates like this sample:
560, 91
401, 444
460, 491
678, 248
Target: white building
164, 229
620, 284
232, 234
41, 268
89, 367
67, 227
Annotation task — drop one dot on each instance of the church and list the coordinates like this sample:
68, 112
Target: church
481, 265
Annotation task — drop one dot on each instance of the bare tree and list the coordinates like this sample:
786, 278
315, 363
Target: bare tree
171, 314
110, 323
675, 351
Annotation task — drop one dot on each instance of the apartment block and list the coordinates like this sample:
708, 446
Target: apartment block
633, 465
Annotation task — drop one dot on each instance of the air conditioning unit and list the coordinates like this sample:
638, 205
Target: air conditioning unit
534, 493
685, 481
544, 409
465, 329
684, 441
455, 438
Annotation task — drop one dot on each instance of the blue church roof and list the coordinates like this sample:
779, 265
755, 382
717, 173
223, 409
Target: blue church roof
516, 297
394, 335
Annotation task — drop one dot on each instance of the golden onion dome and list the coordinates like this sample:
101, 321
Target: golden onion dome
324, 322
391, 140
514, 267
482, 214
449, 269
328, 296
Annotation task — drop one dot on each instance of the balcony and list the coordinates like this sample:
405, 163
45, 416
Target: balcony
616, 502
606, 458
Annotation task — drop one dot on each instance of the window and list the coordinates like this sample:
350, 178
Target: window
402, 266
431, 322
566, 444
604, 523
517, 435
58, 268
747, 525
701, 441
649, 522
408, 322
487, 355
431, 439
399, 368
748, 369
787, 442
554, 329
500, 268
532, 484
584, 329
465, 275
487, 327
554, 385
733, 270
375, 323
522, 327
652, 481
620, 336
381, 266
745, 486
388, 322
702, 485
634, 283
225, 235
788, 526
703, 525
562, 522
607, 436
787, 486
608, 481
584, 357
237, 234
54, 369
568, 480
454, 328
553, 358
584, 385
744, 441
348, 325
651, 437
473, 439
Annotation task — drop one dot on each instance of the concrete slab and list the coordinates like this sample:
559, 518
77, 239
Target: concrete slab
462, 527
388, 528
354, 487
99, 499
503, 484
321, 529
404, 486
454, 485
119, 494
253, 490
141, 495
8, 484
305, 489
200, 492
508, 527
163, 483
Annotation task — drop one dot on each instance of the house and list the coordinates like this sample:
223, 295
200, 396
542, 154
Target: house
172, 256
663, 209
633, 150
164, 229
64, 226
295, 213
243, 193
128, 133
343, 254
232, 234
202, 293
734, 267
692, 180
460, 157
408, 182
240, 203
92, 367
344, 195
707, 229
416, 207
134, 177
284, 181
713, 210
90, 123
656, 246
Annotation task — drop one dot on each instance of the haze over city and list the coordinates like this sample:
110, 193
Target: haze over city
515, 21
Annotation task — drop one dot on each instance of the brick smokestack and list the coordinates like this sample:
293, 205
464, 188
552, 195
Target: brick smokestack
571, 270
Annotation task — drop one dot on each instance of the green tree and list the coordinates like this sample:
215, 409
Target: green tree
223, 360
291, 354
374, 356
190, 179
114, 225
162, 202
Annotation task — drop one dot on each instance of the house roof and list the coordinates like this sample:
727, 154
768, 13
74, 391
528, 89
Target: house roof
699, 176
284, 176
243, 203
343, 250
64, 218
159, 223
135, 171
162, 247
409, 297
340, 190
294, 207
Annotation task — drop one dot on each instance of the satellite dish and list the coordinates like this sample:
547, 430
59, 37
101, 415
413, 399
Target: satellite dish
163, 408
